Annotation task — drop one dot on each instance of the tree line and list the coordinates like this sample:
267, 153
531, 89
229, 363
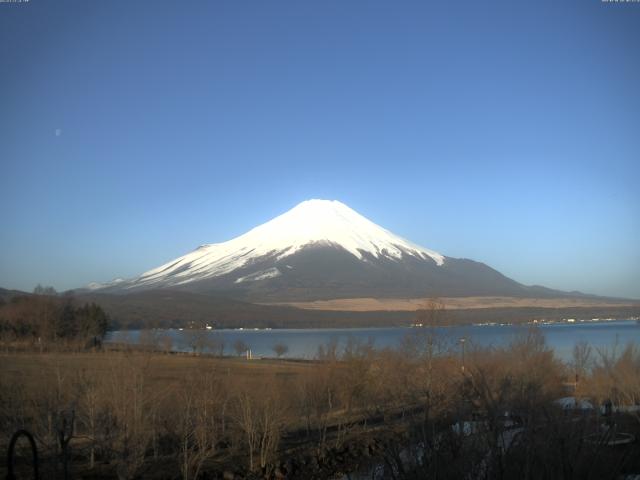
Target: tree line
48, 319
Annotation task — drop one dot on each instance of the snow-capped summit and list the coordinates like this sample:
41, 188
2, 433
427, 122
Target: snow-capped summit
334, 222
310, 223
319, 249
325, 221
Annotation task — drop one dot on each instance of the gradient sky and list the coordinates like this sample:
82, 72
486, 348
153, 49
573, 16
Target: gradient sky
506, 132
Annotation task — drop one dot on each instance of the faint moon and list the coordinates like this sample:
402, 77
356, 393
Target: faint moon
58, 132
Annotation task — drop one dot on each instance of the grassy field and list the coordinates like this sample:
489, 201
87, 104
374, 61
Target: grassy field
138, 414
36, 388
29, 369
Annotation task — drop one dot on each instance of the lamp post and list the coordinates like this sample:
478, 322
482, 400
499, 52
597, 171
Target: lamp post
462, 341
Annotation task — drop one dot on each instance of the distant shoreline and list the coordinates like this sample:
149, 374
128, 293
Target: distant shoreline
410, 326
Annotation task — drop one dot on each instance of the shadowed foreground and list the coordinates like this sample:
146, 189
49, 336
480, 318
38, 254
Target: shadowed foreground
418, 412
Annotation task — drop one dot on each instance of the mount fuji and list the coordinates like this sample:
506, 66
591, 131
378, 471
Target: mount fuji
322, 249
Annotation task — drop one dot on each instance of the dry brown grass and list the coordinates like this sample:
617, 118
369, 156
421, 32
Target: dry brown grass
451, 303
165, 369
142, 414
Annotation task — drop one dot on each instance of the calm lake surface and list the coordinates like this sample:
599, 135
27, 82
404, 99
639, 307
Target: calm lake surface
304, 343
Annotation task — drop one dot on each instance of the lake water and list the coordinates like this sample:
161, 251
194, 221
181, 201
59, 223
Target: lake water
304, 343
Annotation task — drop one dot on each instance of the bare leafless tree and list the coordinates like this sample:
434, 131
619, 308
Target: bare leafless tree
280, 349
240, 347
198, 422
131, 407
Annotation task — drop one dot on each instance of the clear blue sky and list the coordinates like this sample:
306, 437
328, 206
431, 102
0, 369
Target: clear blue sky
507, 132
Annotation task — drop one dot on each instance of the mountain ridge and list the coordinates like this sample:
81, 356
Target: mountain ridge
322, 249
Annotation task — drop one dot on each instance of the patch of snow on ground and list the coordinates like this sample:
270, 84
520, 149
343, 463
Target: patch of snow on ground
261, 275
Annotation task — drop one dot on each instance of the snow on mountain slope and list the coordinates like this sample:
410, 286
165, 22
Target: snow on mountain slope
313, 222
97, 286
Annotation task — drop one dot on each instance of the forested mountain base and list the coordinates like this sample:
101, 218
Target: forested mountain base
162, 309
